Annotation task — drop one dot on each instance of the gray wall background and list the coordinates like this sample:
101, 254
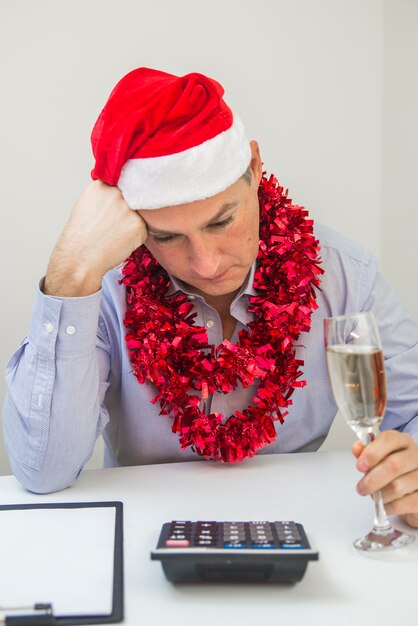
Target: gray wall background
327, 87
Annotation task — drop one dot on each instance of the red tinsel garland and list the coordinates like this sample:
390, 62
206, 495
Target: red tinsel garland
167, 349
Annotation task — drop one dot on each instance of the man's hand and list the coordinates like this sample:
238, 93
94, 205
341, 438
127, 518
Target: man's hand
101, 233
390, 463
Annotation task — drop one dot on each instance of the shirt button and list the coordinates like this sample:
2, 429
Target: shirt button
209, 324
49, 327
70, 330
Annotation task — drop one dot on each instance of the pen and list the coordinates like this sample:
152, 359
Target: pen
36, 615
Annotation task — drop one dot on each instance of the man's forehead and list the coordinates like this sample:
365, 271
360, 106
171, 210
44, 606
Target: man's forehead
167, 219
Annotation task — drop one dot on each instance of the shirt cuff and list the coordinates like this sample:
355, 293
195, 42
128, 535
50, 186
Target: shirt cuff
64, 327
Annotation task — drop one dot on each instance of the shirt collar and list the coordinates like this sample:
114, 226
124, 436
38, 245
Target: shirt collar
247, 288
239, 306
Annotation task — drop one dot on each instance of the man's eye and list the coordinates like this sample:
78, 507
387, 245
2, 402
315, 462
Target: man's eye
164, 239
223, 223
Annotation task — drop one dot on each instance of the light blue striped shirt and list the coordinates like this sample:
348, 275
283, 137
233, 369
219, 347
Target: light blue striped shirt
71, 379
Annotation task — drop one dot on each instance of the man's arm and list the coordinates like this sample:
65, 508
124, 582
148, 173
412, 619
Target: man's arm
57, 379
101, 233
54, 409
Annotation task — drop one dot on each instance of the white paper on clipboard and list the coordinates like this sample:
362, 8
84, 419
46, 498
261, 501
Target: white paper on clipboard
63, 556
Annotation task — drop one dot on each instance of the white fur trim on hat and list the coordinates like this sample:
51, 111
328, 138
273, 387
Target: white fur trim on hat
194, 174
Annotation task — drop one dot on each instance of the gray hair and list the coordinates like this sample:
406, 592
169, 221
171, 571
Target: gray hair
248, 175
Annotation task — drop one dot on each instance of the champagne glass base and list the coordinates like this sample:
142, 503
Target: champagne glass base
387, 540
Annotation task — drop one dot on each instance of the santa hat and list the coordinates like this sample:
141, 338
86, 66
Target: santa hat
166, 140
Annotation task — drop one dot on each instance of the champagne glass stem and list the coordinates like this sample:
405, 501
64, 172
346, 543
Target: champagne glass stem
381, 522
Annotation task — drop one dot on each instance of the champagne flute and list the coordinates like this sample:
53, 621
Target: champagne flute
357, 373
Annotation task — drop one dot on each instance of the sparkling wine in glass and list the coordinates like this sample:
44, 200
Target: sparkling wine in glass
357, 373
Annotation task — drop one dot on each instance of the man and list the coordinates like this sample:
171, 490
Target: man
217, 255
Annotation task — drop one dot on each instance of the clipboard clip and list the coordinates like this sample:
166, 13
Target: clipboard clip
40, 614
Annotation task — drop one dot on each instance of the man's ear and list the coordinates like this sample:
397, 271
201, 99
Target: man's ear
256, 164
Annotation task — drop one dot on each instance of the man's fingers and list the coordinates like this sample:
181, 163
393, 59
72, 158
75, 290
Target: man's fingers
410, 518
400, 487
357, 448
390, 464
385, 444
393, 467
404, 505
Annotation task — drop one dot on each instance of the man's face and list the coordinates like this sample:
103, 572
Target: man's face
209, 244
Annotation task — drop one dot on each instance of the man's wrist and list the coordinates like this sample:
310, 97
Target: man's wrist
71, 284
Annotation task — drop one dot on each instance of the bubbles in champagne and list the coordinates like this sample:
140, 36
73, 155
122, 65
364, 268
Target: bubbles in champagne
358, 381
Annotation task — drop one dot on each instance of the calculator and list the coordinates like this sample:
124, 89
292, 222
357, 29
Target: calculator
254, 551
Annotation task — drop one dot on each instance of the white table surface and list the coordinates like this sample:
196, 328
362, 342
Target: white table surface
343, 588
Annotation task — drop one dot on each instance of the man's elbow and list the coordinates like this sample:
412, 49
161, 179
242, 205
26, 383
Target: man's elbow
41, 482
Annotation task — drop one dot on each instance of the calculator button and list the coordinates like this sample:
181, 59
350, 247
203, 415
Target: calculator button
291, 541
234, 546
261, 539
285, 530
289, 535
285, 524
261, 534
177, 543
263, 546
292, 546
177, 528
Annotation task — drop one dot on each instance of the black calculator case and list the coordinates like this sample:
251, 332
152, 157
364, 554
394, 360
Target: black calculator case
274, 562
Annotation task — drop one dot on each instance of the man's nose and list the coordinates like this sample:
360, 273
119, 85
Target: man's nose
204, 258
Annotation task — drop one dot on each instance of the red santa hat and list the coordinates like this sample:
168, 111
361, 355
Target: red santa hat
166, 140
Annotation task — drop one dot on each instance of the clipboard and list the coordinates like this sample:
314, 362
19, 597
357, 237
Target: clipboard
91, 530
